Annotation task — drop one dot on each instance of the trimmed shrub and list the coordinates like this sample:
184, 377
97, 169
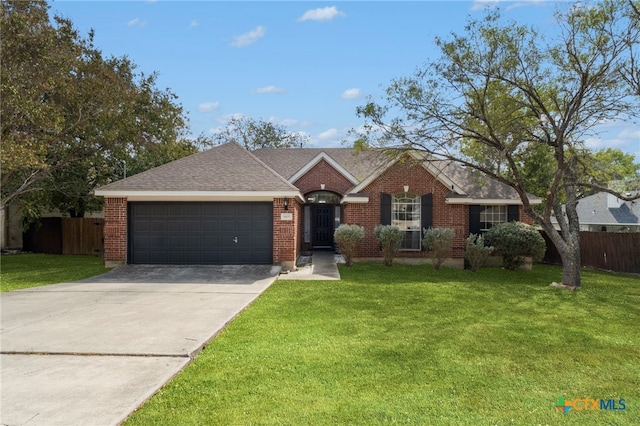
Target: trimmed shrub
516, 240
390, 238
476, 253
348, 238
439, 242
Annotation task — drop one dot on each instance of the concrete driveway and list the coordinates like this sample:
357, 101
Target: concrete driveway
90, 352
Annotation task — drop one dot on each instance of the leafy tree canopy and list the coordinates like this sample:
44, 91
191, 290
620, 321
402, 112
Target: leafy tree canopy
508, 101
71, 117
258, 134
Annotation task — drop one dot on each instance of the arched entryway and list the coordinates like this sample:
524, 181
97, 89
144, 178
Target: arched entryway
321, 217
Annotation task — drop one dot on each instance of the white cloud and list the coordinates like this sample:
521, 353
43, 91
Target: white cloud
290, 122
482, 4
136, 22
250, 37
269, 89
286, 122
625, 137
194, 23
631, 133
321, 14
208, 106
351, 94
328, 134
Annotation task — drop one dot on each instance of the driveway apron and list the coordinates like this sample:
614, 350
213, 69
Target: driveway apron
90, 352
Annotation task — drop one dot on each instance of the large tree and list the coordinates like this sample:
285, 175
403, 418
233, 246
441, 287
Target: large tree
71, 117
518, 96
255, 134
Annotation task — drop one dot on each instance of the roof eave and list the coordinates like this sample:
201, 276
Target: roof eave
131, 195
489, 201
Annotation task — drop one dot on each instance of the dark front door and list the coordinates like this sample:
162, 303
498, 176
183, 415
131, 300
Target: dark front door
322, 225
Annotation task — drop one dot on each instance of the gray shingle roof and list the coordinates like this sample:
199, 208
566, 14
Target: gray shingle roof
227, 167
362, 164
476, 185
594, 210
230, 167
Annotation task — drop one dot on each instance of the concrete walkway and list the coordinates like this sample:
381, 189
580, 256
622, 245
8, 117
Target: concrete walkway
323, 267
91, 352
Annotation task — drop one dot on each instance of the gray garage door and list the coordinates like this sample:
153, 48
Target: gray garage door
217, 233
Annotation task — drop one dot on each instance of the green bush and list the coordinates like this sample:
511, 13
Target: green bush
348, 238
390, 238
516, 240
439, 242
476, 252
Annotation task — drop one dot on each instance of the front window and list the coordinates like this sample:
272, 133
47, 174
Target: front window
492, 215
405, 211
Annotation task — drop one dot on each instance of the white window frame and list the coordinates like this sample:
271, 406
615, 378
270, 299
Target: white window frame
406, 214
494, 215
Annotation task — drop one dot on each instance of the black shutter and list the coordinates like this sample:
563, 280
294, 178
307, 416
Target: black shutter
426, 207
513, 213
474, 219
385, 209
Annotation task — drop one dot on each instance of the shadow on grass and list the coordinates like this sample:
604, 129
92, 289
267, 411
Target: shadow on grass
405, 274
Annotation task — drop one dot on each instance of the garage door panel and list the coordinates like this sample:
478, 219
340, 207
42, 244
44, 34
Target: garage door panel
209, 240
244, 224
211, 226
150, 241
210, 209
185, 242
152, 257
227, 224
200, 233
145, 210
227, 209
176, 226
157, 225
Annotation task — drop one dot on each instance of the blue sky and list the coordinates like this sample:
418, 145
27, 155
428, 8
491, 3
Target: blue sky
302, 64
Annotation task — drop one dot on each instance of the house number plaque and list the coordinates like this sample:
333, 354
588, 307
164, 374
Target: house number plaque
286, 216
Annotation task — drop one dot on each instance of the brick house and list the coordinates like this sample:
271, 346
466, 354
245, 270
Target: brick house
231, 206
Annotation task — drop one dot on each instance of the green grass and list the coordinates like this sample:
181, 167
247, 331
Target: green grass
33, 270
410, 345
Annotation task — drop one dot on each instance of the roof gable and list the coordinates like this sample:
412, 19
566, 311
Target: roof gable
318, 158
430, 166
289, 162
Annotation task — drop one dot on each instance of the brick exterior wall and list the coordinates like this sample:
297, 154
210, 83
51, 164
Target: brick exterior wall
323, 173
286, 236
524, 217
115, 231
420, 182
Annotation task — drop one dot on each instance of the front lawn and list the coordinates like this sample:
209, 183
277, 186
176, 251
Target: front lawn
410, 345
32, 270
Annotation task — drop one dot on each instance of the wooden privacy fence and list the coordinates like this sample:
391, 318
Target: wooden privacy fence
618, 252
61, 235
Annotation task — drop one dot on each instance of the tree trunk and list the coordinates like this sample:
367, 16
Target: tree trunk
570, 256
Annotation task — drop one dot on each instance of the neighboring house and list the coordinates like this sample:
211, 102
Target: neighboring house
604, 212
231, 206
